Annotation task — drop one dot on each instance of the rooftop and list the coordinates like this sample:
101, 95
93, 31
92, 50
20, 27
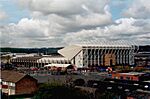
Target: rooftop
11, 76
132, 73
104, 43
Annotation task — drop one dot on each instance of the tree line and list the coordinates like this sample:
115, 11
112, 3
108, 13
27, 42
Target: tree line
31, 50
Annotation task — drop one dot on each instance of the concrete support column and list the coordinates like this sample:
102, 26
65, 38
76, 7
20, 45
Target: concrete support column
90, 56
95, 56
117, 56
85, 57
123, 56
102, 56
130, 57
98, 57
126, 56
115, 53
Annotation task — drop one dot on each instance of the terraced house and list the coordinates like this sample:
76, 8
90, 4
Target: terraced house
15, 83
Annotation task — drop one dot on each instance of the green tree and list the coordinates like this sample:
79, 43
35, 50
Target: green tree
56, 91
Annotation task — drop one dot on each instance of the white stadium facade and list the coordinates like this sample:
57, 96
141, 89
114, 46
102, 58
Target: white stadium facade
100, 53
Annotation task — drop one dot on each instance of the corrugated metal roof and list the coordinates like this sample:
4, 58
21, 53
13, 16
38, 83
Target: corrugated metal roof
48, 59
70, 51
105, 43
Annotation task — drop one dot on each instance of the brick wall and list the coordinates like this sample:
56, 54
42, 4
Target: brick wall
27, 85
125, 77
108, 58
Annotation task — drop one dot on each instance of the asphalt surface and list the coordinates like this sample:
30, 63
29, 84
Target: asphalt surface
45, 78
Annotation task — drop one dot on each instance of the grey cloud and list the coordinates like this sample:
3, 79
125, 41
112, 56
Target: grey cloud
65, 23
64, 7
124, 29
139, 9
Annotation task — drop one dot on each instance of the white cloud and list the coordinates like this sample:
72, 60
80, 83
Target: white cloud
72, 15
59, 22
76, 13
125, 28
35, 33
28, 33
139, 9
63, 7
95, 18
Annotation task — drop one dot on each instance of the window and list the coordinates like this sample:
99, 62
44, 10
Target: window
121, 77
12, 84
127, 78
4, 83
12, 87
115, 77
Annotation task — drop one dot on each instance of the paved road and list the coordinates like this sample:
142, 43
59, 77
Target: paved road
63, 78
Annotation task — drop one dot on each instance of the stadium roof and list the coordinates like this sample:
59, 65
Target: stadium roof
72, 50
104, 43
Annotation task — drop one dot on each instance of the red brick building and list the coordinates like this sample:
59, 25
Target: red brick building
135, 76
15, 83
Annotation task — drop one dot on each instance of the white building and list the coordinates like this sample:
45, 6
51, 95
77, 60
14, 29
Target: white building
39, 61
100, 53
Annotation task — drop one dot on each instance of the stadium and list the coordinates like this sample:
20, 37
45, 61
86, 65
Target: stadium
100, 53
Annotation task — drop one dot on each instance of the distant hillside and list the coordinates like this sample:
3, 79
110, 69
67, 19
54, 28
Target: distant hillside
31, 50
145, 48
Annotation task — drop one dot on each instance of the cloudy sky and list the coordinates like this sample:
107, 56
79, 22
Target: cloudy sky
47, 23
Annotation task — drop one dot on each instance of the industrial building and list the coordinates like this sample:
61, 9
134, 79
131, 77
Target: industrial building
100, 53
39, 61
142, 59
